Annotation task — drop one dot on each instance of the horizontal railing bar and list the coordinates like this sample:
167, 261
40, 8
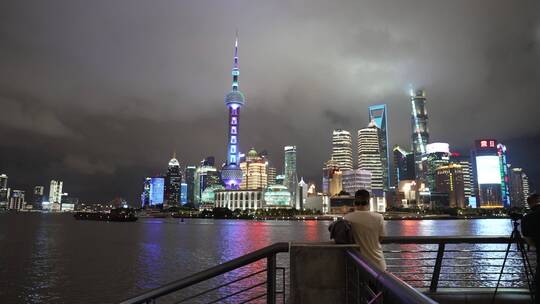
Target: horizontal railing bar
237, 293
415, 259
483, 280
209, 273
221, 286
254, 298
475, 239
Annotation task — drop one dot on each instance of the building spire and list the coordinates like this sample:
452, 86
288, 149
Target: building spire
236, 69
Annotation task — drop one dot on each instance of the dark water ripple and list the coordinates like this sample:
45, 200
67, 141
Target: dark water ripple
48, 258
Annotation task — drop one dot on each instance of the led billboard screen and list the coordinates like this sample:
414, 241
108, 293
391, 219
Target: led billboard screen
488, 169
157, 189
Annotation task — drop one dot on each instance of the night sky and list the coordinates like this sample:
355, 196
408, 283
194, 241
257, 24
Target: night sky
100, 93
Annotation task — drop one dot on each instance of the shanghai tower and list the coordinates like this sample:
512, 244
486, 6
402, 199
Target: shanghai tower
419, 126
231, 174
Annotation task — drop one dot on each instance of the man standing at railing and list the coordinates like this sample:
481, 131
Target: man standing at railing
368, 229
530, 228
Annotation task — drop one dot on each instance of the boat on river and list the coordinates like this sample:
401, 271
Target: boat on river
115, 215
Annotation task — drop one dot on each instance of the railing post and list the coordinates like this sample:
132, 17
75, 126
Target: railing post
437, 269
271, 279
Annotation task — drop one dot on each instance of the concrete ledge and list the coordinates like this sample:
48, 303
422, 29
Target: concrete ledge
317, 272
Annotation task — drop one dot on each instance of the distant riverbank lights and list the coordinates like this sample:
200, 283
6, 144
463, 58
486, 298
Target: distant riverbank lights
231, 174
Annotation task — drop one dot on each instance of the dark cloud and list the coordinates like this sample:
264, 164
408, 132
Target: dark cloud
101, 93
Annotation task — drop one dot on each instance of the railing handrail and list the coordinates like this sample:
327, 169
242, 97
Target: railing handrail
209, 273
399, 289
474, 239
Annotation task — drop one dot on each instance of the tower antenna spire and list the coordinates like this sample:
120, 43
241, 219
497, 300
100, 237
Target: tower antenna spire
236, 69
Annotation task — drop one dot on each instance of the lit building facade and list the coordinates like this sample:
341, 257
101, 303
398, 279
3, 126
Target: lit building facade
379, 114
449, 179
369, 156
419, 126
301, 194
157, 191
277, 196
331, 181
4, 191
145, 195
342, 149
231, 174
239, 199
55, 196
437, 155
354, 180
403, 165
206, 175
487, 174
190, 184
17, 200
37, 197
173, 181
183, 193
519, 188
291, 176
254, 175
505, 178
271, 175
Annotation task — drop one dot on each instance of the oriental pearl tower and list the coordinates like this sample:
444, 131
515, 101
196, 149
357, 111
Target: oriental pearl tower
231, 174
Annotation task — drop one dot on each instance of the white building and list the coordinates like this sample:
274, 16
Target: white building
55, 196
17, 200
342, 149
369, 156
239, 199
354, 180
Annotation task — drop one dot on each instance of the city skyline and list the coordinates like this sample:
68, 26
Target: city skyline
137, 121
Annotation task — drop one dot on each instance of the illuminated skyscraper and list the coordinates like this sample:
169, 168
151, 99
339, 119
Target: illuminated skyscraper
420, 132
403, 166
487, 174
37, 197
157, 190
254, 172
291, 177
190, 183
369, 156
519, 188
271, 175
55, 195
437, 155
4, 191
505, 179
342, 149
173, 181
231, 174
206, 176
449, 179
378, 114
3, 181
354, 180
145, 196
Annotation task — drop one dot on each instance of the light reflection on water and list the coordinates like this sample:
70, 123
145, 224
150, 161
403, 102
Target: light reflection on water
54, 258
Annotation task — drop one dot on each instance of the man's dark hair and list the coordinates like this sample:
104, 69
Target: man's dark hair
361, 197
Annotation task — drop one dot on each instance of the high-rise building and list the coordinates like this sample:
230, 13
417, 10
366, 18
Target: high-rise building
519, 188
354, 180
55, 196
403, 166
487, 174
449, 179
271, 175
206, 175
37, 197
419, 125
190, 181
467, 179
437, 155
145, 196
505, 179
254, 174
183, 194
379, 114
369, 156
291, 177
157, 191
301, 194
329, 171
173, 181
342, 149
4, 191
17, 200
231, 174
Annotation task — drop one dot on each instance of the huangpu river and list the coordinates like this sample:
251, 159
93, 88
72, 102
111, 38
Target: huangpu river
53, 258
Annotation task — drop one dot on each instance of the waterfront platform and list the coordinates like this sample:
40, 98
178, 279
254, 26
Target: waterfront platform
420, 270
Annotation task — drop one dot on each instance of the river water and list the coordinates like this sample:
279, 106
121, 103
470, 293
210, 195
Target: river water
54, 258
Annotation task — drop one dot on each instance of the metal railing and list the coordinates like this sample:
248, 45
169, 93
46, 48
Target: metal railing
365, 283
250, 293
471, 262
